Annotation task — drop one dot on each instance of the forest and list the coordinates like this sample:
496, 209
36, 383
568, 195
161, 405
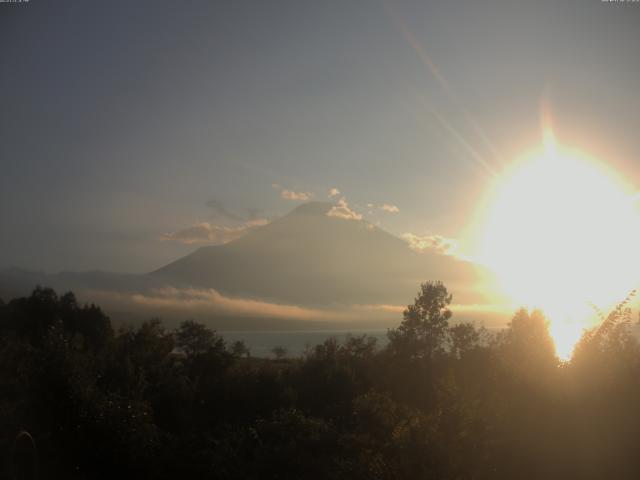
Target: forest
81, 399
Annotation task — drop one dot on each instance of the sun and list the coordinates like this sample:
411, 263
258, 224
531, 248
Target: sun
561, 232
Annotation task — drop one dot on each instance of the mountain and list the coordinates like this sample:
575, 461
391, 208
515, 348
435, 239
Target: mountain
306, 265
310, 258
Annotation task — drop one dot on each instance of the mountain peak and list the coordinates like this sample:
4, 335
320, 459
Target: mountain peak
308, 258
312, 208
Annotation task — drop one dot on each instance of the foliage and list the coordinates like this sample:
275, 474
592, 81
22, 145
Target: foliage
279, 352
442, 400
423, 331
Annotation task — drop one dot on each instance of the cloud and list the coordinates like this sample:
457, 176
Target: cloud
491, 313
385, 207
389, 208
424, 243
397, 309
213, 234
342, 210
292, 194
212, 300
333, 192
208, 301
299, 196
497, 308
208, 304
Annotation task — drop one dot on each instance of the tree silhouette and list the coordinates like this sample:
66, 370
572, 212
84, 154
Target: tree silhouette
442, 400
194, 338
463, 338
279, 352
423, 331
240, 349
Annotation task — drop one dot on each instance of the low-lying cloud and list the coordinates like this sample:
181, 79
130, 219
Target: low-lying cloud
209, 304
213, 301
473, 308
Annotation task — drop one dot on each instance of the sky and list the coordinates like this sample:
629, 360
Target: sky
124, 123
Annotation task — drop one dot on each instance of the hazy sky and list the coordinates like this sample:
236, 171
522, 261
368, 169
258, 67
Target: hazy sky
121, 121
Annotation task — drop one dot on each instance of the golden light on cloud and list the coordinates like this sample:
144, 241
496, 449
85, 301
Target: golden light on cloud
561, 231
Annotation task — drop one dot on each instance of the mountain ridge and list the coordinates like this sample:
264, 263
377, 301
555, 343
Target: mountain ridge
308, 257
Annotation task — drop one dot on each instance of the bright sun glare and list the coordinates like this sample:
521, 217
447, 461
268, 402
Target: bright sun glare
561, 232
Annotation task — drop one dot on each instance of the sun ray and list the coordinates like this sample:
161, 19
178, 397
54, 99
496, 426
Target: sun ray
446, 86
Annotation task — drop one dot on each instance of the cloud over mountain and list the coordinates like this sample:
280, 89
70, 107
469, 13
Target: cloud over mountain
342, 210
212, 234
315, 256
386, 207
286, 194
437, 243
298, 196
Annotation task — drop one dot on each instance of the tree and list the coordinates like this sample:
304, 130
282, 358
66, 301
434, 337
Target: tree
610, 346
194, 338
526, 347
279, 352
240, 349
423, 331
463, 338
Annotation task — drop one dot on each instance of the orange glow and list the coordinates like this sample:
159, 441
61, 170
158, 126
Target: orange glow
561, 232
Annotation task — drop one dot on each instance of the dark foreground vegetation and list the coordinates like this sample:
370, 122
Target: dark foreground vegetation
441, 401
